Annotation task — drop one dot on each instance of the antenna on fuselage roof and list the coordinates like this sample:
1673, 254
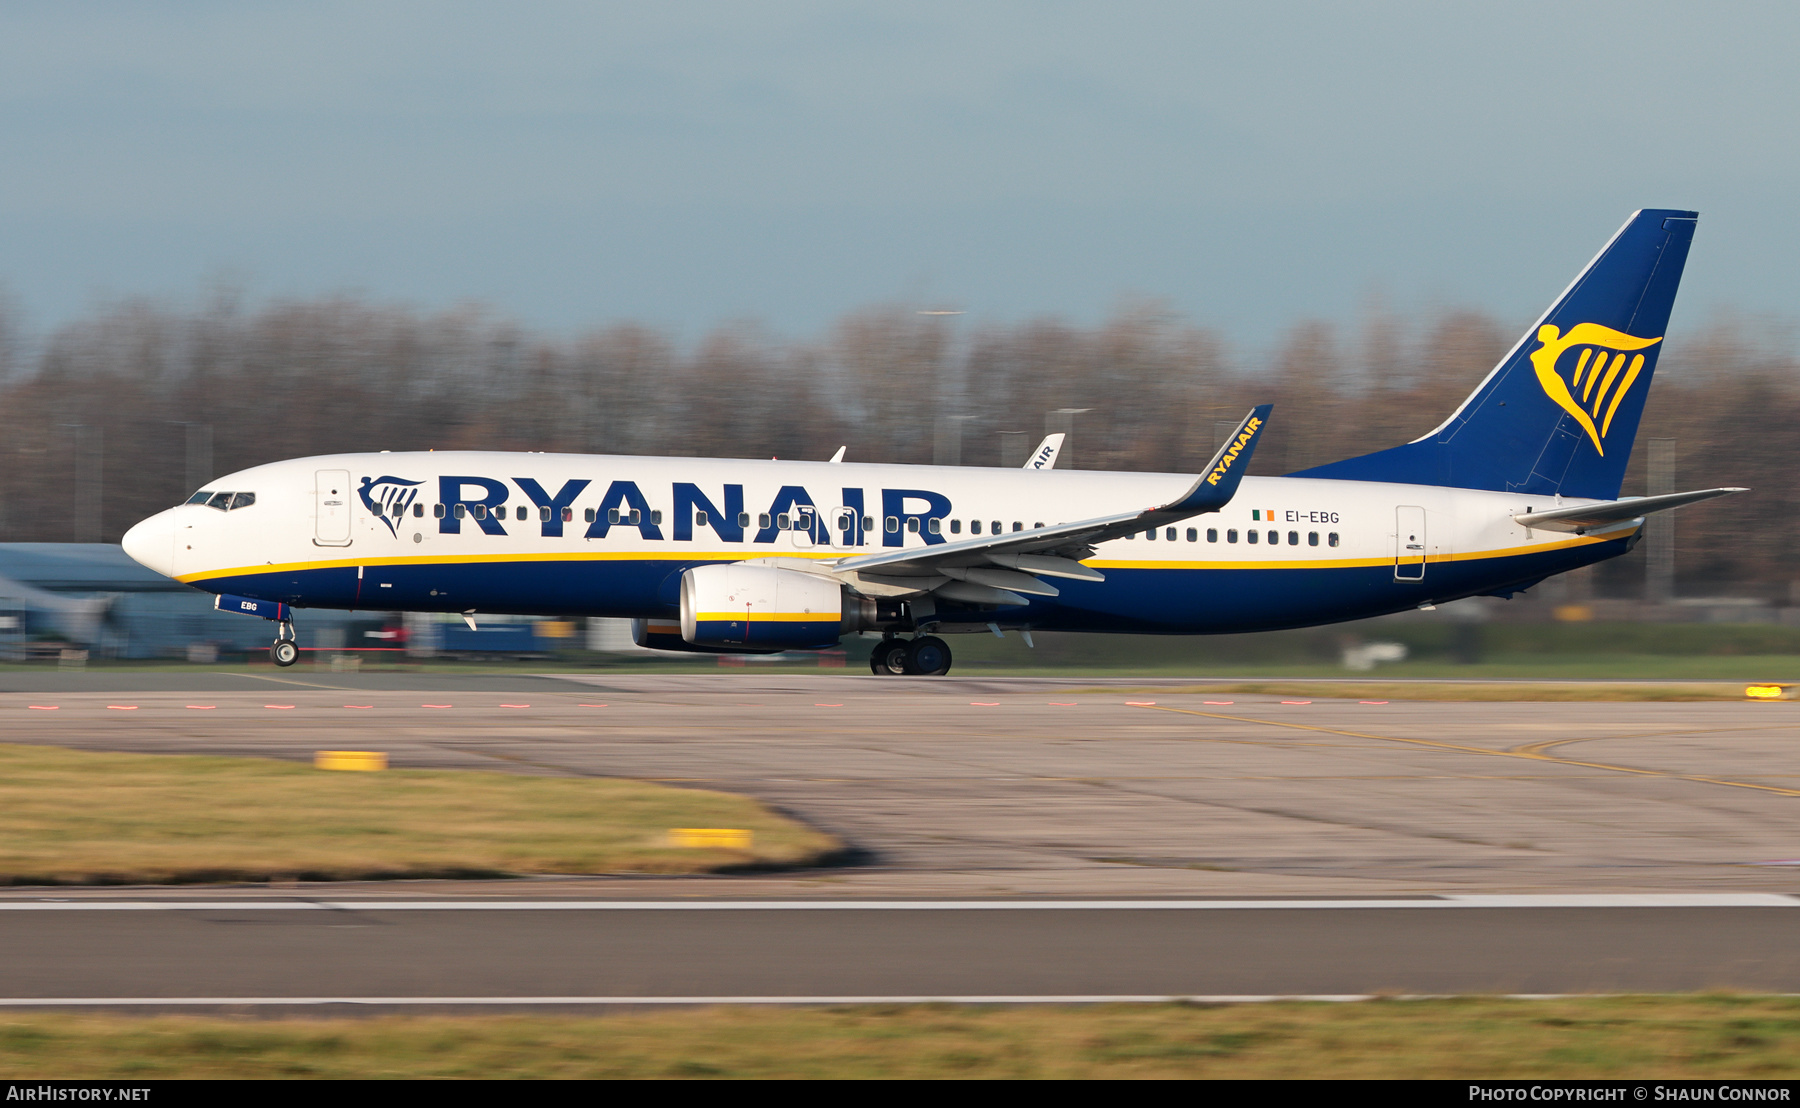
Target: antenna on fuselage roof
839, 456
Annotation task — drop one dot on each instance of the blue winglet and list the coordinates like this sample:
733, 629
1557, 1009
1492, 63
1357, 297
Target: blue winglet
1219, 482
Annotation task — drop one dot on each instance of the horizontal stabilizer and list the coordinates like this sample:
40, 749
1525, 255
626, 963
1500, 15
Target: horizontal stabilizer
1588, 517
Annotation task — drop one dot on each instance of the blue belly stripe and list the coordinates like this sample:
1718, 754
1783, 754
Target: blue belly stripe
1167, 601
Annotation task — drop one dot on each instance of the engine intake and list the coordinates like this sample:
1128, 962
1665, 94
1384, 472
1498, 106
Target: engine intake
762, 607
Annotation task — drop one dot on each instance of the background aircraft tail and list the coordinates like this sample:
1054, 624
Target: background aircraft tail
1560, 411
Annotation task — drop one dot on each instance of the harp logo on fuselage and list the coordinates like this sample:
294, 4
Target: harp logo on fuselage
388, 497
1591, 384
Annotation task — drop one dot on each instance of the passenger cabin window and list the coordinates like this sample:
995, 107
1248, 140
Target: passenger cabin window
1312, 538
956, 527
1231, 536
462, 510
635, 517
699, 519
783, 522
1040, 524
520, 514
1017, 526
1274, 538
1331, 539
762, 521
912, 524
612, 516
568, 515
743, 519
418, 511
1253, 536
587, 514
1150, 535
868, 523
1212, 535
481, 511
893, 525
437, 511
997, 527
655, 517
935, 526
1193, 535
1293, 538
974, 527
1168, 534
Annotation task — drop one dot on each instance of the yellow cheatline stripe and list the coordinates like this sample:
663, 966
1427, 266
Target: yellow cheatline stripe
1353, 563
1532, 753
822, 555
766, 617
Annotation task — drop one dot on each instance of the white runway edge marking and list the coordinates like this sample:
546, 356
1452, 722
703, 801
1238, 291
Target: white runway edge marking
494, 1001
1471, 900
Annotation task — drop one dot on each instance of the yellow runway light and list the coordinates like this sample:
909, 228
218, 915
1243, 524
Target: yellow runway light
349, 759
1767, 692
730, 838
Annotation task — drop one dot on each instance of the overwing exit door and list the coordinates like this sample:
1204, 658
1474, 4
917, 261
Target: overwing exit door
1409, 543
331, 495
843, 528
805, 527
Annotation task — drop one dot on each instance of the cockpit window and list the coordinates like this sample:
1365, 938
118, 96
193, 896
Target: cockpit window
223, 501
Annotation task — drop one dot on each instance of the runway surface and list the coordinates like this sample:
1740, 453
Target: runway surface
1243, 845
1028, 786
536, 954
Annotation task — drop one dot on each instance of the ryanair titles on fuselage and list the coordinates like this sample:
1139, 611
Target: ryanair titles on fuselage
477, 500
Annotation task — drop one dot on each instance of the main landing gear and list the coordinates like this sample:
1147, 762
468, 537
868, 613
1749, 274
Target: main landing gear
284, 651
924, 656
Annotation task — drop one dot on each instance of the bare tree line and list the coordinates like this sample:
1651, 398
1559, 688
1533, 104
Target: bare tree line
344, 374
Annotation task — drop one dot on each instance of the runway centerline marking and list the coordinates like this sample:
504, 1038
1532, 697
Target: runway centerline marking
1515, 753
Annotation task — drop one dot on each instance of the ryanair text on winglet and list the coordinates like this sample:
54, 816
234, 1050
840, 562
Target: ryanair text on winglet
1244, 436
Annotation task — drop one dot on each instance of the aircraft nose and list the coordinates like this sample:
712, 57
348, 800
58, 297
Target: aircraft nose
152, 543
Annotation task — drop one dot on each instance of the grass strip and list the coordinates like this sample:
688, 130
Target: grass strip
1636, 1037
79, 817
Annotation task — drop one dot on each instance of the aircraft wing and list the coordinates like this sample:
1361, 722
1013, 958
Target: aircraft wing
996, 569
1588, 517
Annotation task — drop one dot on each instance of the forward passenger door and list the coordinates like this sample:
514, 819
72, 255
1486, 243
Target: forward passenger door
331, 496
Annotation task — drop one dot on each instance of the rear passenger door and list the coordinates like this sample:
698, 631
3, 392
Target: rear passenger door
1409, 543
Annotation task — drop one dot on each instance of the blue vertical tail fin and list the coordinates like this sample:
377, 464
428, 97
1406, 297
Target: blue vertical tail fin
1560, 411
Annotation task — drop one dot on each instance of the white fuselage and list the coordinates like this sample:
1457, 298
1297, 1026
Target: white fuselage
555, 534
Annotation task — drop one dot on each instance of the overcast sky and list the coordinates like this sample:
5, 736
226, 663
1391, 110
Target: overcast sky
690, 163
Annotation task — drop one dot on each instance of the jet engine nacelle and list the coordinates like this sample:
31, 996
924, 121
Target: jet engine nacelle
749, 607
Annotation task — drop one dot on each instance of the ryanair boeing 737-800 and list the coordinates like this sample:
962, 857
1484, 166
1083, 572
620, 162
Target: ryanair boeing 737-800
735, 556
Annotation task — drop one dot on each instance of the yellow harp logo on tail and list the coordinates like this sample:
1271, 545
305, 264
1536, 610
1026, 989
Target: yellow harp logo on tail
1598, 378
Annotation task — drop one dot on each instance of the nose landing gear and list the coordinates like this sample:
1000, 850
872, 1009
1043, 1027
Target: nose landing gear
284, 651
924, 656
